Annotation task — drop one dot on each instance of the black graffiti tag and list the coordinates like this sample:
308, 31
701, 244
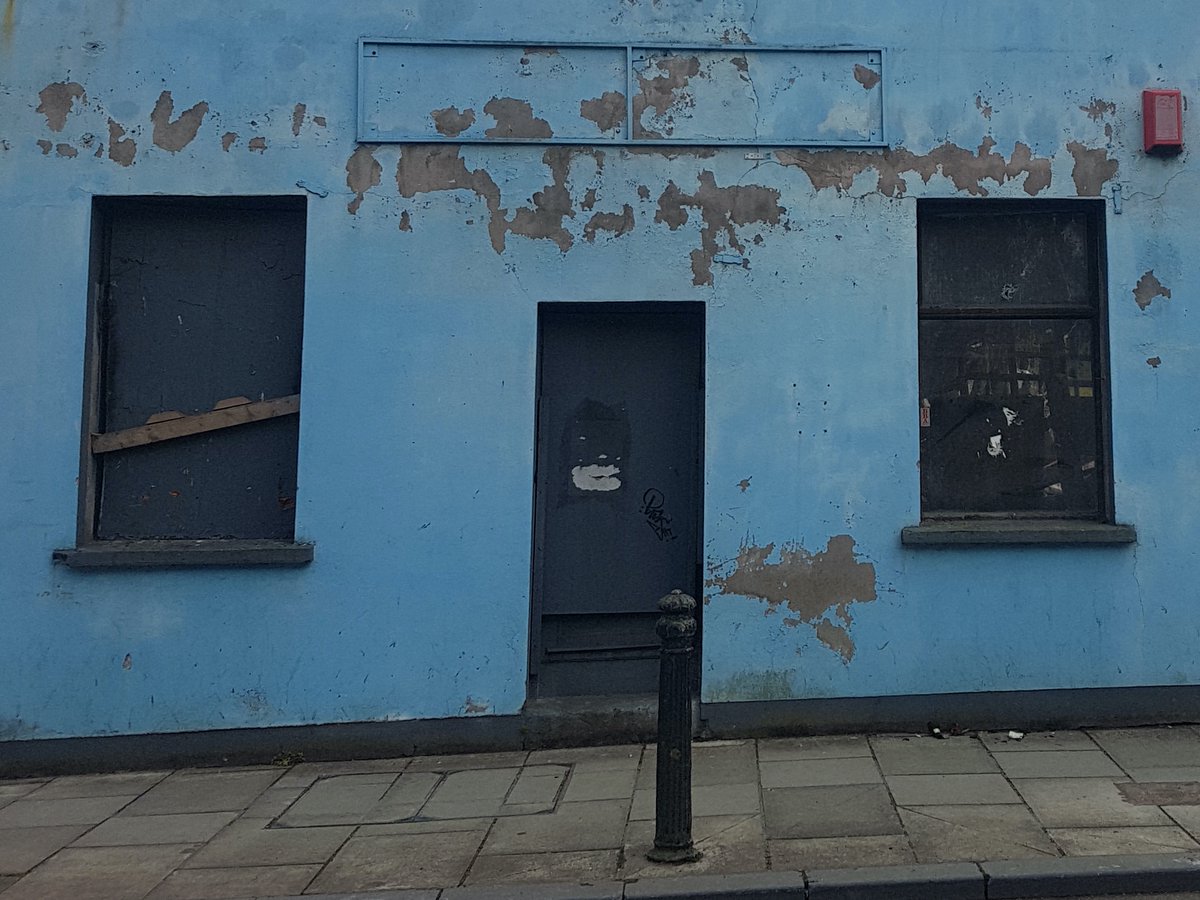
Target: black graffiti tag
657, 517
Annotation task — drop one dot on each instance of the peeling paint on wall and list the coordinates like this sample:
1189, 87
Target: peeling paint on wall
1149, 287
257, 144
174, 136
298, 113
1092, 168
363, 172
46, 146
515, 119
451, 122
228, 139
817, 587
618, 223
967, 170
985, 108
121, 149
66, 151
1154, 362
405, 221
661, 92
57, 100
868, 78
1098, 109
721, 208
607, 110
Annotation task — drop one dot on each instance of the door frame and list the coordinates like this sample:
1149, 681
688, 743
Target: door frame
699, 310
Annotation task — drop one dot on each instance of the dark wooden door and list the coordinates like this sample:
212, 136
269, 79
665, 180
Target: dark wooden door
617, 491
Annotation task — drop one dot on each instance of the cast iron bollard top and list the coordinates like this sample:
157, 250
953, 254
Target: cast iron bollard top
677, 625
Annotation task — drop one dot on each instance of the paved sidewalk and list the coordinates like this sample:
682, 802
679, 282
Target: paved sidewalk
794, 814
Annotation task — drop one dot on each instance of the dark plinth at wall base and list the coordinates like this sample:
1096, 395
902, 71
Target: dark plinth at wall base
949, 533
597, 720
1097, 875
176, 554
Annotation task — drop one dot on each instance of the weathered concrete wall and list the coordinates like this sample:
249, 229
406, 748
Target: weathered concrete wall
425, 265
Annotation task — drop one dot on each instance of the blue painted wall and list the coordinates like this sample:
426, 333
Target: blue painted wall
416, 456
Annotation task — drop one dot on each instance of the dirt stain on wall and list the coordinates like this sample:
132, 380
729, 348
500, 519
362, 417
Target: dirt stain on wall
816, 587
838, 168
721, 209
174, 136
57, 100
451, 122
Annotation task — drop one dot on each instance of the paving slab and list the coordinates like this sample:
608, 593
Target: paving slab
595, 825
619, 757
922, 755
389, 862
951, 881
934, 790
600, 784
7, 881
1058, 764
426, 894
100, 873
711, 765
338, 800
1142, 748
1000, 742
1130, 839
571, 865
537, 785
27, 813
730, 844
1084, 803
205, 791
1074, 875
439, 826
249, 842
833, 811
1187, 817
457, 762
707, 800
1165, 773
311, 771
824, 747
613, 890
188, 828
759, 886
116, 785
23, 848
229, 884
273, 802
404, 798
838, 853
941, 834
815, 772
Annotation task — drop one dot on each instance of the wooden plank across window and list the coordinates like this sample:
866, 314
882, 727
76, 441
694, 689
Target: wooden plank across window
224, 415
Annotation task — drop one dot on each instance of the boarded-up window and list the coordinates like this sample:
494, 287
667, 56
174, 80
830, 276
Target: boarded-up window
1012, 359
194, 379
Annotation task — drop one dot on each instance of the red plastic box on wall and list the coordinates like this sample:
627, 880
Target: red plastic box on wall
1162, 122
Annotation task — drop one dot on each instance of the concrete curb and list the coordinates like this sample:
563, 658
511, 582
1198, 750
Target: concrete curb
1093, 876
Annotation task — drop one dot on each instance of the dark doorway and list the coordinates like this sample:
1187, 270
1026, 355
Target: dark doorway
617, 492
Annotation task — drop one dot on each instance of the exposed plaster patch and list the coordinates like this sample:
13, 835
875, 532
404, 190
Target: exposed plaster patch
1154, 362
363, 172
174, 136
985, 109
451, 122
607, 110
1149, 287
127, 662
721, 208
618, 223
228, 139
121, 149
589, 199
671, 152
405, 221
813, 586
425, 168
515, 119
1098, 109
966, 170
257, 144
744, 484
735, 35
298, 113
1092, 168
319, 121
66, 151
660, 93
868, 78
57, 99
550, 205
643, 192
46, 146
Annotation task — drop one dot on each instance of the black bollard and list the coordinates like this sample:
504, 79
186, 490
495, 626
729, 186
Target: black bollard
673, 783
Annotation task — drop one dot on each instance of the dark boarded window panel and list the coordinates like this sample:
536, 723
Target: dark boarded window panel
1007, 259
1011, 416
204, 303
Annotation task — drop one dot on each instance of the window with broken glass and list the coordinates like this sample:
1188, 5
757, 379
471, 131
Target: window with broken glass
1013, 351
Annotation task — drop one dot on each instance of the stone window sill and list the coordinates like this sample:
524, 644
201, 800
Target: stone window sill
944, 533
175, 554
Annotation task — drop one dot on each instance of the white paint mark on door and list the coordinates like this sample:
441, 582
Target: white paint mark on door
596, 478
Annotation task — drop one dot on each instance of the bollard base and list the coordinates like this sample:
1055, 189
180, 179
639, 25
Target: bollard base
673, 854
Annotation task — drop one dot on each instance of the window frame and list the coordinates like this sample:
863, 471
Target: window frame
90, 551
943, 526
